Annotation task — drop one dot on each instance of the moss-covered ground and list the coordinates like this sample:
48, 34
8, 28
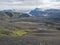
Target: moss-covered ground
18, 32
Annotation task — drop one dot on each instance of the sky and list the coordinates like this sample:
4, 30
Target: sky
29, 4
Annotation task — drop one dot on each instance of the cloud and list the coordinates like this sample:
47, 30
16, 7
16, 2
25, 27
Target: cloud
50, 4
27, 4
11, 3
21, 2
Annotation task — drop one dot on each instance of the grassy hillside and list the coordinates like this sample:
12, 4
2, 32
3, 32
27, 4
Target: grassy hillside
3, 15
13, 14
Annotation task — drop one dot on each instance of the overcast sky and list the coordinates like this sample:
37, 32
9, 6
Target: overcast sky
29, 4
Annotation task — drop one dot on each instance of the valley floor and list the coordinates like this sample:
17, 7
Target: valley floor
40, 31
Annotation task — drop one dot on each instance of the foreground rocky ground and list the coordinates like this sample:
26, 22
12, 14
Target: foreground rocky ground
41, 32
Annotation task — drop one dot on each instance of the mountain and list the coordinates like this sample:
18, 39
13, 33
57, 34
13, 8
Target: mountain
16, 10
37, 12
12, 14
53, 13
48, 13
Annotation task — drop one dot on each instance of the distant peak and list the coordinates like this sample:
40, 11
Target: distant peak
38, 9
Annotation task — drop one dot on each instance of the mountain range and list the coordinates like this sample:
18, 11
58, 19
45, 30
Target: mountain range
48, 13
37, 12
12, 14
